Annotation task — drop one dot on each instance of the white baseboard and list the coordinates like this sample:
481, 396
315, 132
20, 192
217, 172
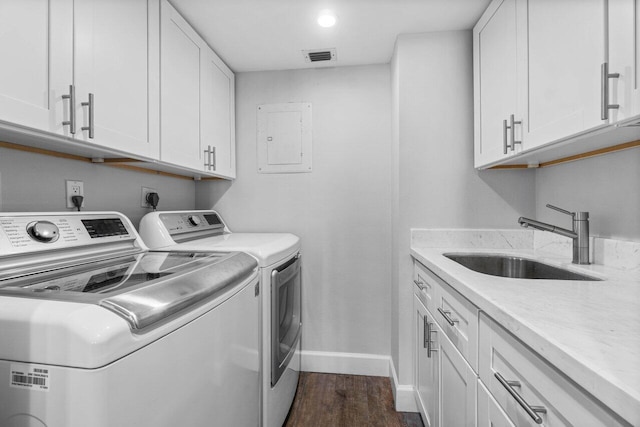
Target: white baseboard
374, 365
403, 394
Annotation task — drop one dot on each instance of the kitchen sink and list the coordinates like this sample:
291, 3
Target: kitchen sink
515, 267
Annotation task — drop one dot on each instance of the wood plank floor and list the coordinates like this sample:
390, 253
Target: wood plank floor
330, 400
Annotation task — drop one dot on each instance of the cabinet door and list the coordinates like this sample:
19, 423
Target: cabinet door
458, 386
623, 41
495, 76
217, 114
489, 412
181, 52
427, 366
116, 59
565, 45
36, 39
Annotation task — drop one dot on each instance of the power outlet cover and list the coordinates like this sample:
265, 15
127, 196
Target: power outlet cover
74, 188
143, 198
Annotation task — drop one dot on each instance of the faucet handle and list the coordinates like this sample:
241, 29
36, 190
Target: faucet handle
572, 214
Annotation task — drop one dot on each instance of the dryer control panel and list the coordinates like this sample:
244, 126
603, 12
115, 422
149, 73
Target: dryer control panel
188, 222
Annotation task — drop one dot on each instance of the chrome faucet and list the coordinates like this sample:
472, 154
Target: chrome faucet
579, 234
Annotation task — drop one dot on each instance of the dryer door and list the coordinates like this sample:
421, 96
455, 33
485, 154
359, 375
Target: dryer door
286, 323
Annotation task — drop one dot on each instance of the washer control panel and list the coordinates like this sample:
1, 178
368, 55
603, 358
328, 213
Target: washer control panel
23, 233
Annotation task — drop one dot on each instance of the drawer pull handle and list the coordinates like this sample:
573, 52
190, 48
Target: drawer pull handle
532, 411
420, 284
447, 317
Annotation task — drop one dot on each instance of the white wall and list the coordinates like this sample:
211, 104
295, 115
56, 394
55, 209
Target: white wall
436, 185
341, 210
608, 187
33, 183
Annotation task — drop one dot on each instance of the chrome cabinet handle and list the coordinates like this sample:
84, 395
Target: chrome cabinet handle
91, 127
207, 163
604, 87
447, 317
213, 158
420, 284
505, 144
72, 110
532, 411
512, 126
425, 334
427, 337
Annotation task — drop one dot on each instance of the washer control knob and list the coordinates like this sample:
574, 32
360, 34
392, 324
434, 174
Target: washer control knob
43, 231
194, 220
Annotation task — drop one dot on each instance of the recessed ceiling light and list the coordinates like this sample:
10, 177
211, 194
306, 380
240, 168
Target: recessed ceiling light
327, 19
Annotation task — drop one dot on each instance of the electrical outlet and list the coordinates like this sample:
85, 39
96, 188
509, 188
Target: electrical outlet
143, 198
74, 188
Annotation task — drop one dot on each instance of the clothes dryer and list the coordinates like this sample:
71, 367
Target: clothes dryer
279, 259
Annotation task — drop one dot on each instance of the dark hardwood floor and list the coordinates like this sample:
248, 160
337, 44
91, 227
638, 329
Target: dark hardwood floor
330, 400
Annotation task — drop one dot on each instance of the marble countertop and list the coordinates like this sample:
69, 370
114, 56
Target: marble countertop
590, 330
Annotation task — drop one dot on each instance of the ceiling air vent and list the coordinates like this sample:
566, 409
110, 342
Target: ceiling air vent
320, 55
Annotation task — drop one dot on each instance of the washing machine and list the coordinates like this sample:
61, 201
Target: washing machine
98, 331
279, 259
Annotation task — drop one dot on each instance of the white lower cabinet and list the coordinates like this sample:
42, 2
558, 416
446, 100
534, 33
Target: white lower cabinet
445, 381
513, 386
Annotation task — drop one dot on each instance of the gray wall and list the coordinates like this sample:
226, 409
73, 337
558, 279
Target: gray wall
435, 184
341, 209
33, 183
608, 187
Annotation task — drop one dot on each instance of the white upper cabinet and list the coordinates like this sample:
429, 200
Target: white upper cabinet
623, 58
565, 42
560, 73
116, 60
496, 75
180, 91
57, 53
197, 100
85, 76
36, 43
217, 106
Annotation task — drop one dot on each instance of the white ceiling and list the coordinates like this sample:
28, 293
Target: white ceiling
251, 35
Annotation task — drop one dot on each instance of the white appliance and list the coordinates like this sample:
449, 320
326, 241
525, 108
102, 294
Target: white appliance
278, 255
97, 331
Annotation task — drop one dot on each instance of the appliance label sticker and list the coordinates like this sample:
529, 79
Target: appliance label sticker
34, 377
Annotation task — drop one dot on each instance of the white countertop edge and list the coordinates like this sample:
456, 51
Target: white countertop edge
622, 395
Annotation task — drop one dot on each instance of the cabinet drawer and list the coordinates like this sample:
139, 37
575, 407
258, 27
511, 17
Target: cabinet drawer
505, 362
424, 286
458, 319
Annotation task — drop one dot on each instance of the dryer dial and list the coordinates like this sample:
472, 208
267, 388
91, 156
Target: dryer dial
194, 220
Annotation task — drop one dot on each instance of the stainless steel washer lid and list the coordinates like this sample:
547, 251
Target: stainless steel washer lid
144, 288
147, 305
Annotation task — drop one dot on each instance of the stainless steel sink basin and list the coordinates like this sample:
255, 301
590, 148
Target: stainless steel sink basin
515, 267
